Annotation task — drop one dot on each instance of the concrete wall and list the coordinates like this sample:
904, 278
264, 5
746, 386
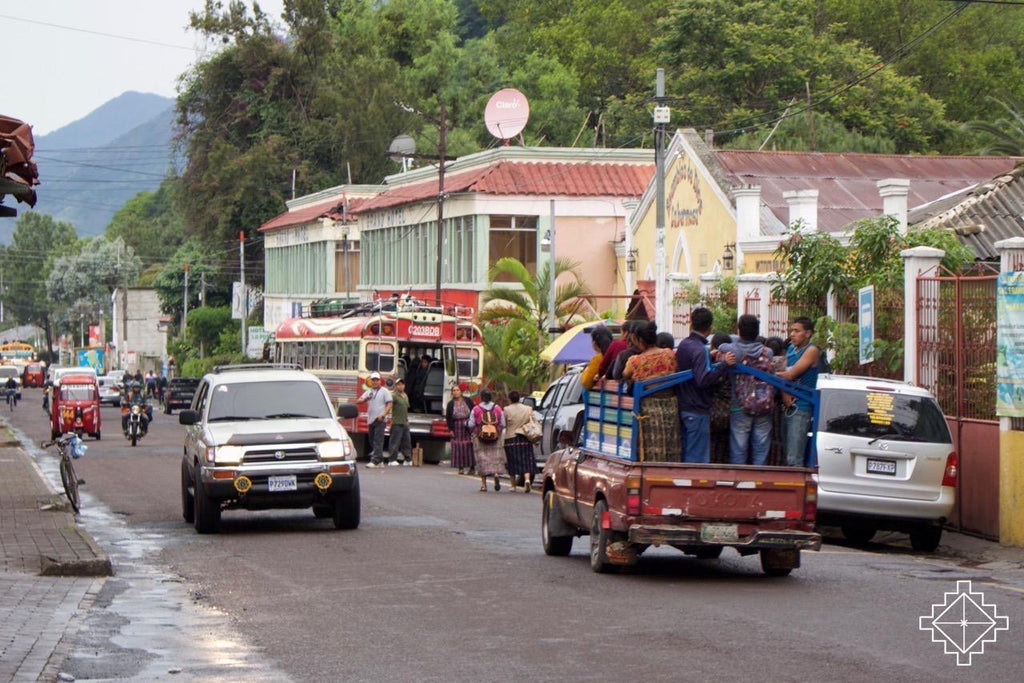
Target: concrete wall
143, 332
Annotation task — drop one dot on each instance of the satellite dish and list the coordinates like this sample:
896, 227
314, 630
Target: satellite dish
401, 148
506, 114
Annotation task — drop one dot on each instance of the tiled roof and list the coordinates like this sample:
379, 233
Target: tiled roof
305, 214
981, 216
846, 182
528, 178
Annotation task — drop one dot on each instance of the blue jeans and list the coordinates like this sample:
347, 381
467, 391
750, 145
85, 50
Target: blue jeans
696, 437
749, 435
795, 425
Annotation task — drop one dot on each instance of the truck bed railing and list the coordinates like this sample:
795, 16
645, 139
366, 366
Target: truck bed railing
612, 411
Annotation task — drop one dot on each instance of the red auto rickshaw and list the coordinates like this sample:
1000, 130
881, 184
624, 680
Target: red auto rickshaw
34, 375
75, 406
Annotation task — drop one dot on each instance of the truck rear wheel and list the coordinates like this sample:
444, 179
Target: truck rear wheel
779, 562
553, 545
599, 540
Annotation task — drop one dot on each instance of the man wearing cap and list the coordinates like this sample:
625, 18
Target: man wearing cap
380, 402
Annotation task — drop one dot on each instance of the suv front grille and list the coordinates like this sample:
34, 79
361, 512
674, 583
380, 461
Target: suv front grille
280, 455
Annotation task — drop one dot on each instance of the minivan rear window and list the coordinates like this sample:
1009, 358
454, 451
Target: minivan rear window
871, 414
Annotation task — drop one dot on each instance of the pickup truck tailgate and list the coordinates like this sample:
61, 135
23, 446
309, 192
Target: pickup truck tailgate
728, 494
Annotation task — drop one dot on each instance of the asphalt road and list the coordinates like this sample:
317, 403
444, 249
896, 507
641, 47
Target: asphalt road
442, 582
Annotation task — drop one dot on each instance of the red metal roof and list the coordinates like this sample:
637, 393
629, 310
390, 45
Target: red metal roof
846, 182
581, 179
305, 214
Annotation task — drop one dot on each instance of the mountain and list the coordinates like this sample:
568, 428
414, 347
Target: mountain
89, 168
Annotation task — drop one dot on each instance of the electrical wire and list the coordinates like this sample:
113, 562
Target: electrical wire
97, 33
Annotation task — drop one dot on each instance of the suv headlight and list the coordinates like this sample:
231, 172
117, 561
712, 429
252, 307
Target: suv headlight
334, 450
227, 455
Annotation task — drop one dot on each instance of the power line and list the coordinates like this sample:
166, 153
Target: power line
97, 33
107, 168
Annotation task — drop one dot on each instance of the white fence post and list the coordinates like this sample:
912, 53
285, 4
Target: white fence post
917, 261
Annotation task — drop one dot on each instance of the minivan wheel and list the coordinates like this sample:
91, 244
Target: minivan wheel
925, 539
858, 534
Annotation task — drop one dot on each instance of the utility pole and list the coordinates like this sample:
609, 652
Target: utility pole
245, 296
440, 200
184, 305
344, 243
552, 320
661, 117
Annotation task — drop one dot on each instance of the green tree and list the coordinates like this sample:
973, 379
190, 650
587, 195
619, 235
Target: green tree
205, 325
170, 283
527, 300
81, 283
37, 241
1004, 135
150, 223
742, 63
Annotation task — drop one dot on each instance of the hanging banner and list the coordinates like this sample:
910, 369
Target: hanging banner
866, 323
1010, 345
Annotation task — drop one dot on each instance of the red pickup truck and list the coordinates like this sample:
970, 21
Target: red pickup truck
603, 487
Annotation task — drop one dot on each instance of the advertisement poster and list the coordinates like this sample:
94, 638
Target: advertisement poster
866, 323
1010, 345
91, 358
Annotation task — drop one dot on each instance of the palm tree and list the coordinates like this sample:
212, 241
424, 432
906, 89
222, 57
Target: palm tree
529, 302
1007, 133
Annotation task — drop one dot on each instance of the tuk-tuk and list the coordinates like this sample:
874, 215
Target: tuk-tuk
75, 406
34, 375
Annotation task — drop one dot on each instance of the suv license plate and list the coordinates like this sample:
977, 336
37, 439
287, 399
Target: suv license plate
284, 483
718, 533
881, 467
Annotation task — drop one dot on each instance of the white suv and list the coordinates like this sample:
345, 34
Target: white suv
885, 460
265, 436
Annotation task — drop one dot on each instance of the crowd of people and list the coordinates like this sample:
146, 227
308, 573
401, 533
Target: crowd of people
718, 416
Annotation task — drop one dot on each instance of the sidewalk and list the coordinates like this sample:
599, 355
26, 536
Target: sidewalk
50, 569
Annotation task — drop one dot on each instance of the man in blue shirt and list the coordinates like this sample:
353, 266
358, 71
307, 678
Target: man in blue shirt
695, 396
801, 367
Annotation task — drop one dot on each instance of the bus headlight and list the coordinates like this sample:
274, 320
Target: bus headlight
331, 450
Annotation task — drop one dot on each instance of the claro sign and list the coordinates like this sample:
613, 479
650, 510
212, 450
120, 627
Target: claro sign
429, 331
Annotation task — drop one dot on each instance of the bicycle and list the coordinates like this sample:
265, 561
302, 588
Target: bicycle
70, 447
12, 398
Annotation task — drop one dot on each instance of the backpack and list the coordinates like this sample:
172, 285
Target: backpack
488, 427
755, 396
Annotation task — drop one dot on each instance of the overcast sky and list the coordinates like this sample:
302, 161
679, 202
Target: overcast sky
58, 69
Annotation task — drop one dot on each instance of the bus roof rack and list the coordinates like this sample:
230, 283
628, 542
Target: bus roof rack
217, 369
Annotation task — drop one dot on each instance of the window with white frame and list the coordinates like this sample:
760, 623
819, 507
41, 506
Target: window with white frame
516, 237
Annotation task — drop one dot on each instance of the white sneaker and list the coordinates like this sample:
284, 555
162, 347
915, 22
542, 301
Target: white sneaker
406, 464
393, 463
372, 466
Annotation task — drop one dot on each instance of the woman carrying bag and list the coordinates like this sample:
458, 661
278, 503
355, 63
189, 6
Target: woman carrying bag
519, 455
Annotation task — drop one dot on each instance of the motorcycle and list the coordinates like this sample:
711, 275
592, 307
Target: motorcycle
136, 427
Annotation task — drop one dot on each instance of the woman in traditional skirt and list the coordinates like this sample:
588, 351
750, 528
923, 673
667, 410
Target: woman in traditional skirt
457, 414
490, 455
519, 457
659, 421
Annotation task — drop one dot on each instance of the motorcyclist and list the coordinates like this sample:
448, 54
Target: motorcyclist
136, 397
11, 389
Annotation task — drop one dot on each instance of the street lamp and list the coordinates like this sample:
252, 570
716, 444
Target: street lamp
631, 261
728, 257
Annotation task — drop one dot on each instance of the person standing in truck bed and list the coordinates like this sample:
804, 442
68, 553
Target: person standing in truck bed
659, 426
696, 395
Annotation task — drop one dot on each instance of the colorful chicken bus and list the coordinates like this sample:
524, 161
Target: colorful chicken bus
433, 348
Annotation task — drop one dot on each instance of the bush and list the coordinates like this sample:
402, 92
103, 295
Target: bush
197, 367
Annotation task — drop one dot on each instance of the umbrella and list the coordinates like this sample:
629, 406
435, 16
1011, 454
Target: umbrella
573, 345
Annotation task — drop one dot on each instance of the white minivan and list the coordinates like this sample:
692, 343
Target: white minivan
885, 460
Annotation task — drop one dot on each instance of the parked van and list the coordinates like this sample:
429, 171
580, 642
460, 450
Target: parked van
885, 460
57, 373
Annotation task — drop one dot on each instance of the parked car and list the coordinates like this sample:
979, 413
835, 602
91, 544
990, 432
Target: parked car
178, 393
885, 460
8, 371
559, 409
110, 390
265, 436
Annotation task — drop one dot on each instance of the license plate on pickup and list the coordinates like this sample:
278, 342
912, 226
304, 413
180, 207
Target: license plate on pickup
281, 483
881, 467
719, 533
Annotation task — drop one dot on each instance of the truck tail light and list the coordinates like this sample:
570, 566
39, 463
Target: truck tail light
811, 501
952, 470
633, 495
